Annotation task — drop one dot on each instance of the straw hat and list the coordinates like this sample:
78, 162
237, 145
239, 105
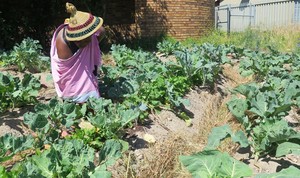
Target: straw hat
81, 24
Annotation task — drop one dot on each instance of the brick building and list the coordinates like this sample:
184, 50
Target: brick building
148, 18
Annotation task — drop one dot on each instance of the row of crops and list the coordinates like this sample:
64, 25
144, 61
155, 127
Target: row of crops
141, 83
260, 107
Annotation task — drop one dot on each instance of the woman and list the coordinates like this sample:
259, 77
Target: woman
76, 56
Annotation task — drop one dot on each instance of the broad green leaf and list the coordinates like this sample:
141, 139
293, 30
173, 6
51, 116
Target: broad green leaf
241, 138
102, 174
291, 172
280, 131
233, 168
44, 163
295, 135
13, 145
238, 107
292, 90
8, 173
225, 59
74, 155
53, 102
143, 107
283, 108
70, 113
16, 93
287, 148
185, 102
5, 80
35, 121
245, 67
43, 109
5, 158
128, 116
248, 90
217, 135
69, 109
29, 169
83, 109
260, 104
98, 104
203, 164
112, 151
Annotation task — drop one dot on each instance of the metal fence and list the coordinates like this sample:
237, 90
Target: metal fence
263, 15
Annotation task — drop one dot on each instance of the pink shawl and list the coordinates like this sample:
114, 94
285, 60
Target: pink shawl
73, 77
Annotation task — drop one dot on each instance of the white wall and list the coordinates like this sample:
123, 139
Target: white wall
235, 2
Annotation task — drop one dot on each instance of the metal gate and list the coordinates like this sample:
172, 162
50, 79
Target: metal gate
234, 18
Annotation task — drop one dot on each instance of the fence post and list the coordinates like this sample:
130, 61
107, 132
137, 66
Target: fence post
228, 18
254, 15
216, 17
250, 15
296, 13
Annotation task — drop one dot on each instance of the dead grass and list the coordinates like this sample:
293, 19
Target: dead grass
287, 37
233, 76
162, 160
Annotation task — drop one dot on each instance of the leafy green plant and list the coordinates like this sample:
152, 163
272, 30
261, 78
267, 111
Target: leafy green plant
262, 64
140, 78
10, 145
26, 55
261, 115
267, 136
262, 109
27, 89
111, 151
48, 120
270, 101
168, 47
70, 158
110, 118
16, 92
6, 87
200, 63
90, 136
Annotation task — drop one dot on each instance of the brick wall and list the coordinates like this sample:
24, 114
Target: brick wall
177, 18
180, 19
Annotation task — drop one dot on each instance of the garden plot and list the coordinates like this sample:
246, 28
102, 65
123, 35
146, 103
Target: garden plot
161, 118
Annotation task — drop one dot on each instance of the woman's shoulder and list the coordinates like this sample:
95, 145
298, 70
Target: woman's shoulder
63, 51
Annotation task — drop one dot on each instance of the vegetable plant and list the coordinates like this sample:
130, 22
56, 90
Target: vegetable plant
26, 55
